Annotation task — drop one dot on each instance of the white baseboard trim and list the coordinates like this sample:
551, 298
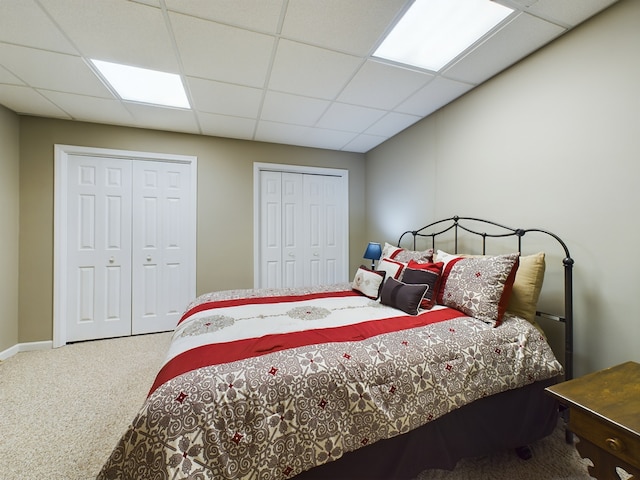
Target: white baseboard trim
25, 347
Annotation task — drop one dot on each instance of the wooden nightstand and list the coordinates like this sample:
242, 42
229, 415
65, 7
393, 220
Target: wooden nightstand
604, 412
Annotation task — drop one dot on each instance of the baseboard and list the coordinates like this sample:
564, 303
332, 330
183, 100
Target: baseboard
25, 347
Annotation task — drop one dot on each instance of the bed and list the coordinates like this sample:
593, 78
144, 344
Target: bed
431, 357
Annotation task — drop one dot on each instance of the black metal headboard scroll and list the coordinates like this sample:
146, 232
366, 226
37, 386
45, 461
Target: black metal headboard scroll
456, 223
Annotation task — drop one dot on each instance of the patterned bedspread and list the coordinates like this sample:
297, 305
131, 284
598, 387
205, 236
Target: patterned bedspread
266, 384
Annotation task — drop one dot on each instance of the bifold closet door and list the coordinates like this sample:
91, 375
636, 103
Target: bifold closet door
323, 230
129, 267
98, 289
160, 258
301, 230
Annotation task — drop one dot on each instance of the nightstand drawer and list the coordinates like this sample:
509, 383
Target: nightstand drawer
614, 440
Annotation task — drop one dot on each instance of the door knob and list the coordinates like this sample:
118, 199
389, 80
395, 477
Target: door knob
111, 259
148, 258
291, 254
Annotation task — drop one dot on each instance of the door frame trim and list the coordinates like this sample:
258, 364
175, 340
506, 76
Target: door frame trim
279, 167
60, 272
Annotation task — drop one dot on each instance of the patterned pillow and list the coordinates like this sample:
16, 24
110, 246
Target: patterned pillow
424, 273
404, 297
368, 282
479, 286
392, 267
527, 285
404, 255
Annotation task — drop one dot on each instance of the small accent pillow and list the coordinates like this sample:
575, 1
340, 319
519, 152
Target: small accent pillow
368, 282
392, 267
479, 286
402, 296
424, 273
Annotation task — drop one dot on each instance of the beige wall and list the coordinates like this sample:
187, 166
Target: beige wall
225, 203
9, 213
553, 142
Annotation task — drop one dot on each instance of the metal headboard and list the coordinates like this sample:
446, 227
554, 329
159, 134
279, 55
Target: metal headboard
457, 223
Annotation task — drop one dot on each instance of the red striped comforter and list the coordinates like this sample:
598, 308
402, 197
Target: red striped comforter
267, 384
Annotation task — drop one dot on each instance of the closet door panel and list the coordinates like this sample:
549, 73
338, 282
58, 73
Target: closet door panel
160, 256
98, 249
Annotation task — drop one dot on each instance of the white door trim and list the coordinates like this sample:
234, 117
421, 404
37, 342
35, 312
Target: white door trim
61, 158
277, 167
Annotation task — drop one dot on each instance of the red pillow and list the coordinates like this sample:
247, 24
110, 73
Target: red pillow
429, 273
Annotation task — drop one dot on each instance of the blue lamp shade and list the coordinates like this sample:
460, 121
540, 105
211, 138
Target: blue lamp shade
373, 253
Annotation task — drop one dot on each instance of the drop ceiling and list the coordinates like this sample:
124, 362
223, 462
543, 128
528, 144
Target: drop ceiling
296, 72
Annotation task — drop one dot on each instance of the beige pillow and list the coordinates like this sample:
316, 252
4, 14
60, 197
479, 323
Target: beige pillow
527, 286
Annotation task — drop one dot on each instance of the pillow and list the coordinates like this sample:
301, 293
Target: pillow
388, 251
479, 286
405, 256
424, 273
392, 267
368, 282
404, 297
526, 287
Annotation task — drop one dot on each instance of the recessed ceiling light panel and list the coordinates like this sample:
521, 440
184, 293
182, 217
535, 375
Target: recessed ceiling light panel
142, 85
433, 32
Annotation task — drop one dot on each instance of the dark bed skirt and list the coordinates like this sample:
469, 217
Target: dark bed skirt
507, 420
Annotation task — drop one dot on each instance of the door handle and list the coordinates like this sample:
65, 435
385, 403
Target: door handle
291, 254
111, 259
148, 258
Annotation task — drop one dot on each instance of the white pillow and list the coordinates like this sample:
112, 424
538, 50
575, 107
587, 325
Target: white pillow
368, 282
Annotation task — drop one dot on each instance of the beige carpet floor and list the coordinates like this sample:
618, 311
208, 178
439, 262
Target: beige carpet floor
63, 410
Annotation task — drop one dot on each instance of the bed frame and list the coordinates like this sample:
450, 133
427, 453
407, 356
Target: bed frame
475, 227
509, 420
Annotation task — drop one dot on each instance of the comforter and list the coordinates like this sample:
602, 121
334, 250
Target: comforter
265, 384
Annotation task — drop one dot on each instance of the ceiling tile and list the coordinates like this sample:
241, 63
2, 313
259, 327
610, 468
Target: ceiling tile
380, 85
569, 11
224, 98
229, 54
311, 71
433, 96
158, 118
52, 71
9, 78
303, 136
350, 118
226, 126
104, 30
363, 143
285, 108
351, 26
519, 38
91, 109
392, 123
42, 32
260, 15
27, 101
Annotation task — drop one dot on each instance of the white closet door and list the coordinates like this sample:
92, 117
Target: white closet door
323, 226
293, 245
98, 290
160, 261
271, 229
302, 239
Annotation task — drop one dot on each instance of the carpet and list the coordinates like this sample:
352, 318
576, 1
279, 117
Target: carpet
62, 411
